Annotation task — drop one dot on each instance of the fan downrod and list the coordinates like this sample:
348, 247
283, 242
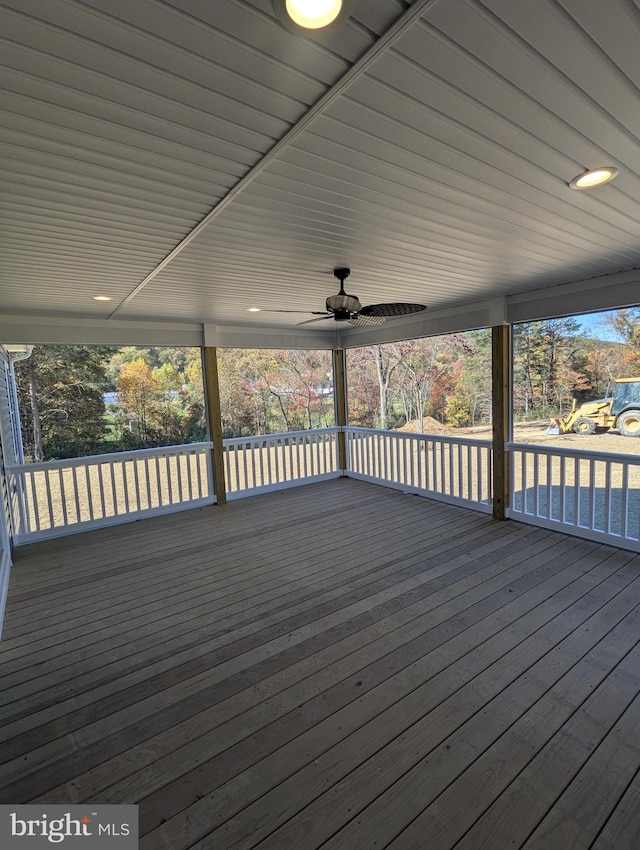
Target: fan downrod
342, 273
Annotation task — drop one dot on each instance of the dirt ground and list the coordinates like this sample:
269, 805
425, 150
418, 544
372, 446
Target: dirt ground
534, 433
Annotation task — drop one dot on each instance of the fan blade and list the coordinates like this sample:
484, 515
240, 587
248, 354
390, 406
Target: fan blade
361, 321
308, 312
321, 319
390, 310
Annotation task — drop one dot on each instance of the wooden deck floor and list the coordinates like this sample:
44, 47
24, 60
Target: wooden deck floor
336, 666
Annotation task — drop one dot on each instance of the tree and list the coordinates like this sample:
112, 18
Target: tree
61, 408
428, 365
137, 398
626, 324
545, 361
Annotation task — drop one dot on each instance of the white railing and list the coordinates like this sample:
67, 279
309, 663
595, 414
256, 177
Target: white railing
592, 494
276, 461
451, 469
64, 496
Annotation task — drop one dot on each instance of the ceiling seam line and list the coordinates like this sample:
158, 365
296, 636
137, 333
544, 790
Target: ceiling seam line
398, 28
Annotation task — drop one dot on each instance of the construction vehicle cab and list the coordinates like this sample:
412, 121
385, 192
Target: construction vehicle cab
620, 409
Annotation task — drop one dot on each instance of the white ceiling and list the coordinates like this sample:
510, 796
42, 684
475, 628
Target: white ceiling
192, 158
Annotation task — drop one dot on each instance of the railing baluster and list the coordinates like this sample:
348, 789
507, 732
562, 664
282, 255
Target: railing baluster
147, 477
125, 486
276, 465
199, 456
606, 512
179, 457
592, 493
624, 503
136, 482
236, 458
89, 493
103, 507
63, 498
261, 482
49, 499
549, 491
36, 505
169, 478
405, 472
114, 491
159, 482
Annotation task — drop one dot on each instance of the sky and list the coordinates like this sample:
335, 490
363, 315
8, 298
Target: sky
595, 325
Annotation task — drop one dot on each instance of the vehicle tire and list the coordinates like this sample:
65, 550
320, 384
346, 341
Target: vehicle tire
629, 423
584, 426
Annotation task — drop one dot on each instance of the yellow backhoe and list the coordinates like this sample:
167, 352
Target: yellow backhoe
620, 409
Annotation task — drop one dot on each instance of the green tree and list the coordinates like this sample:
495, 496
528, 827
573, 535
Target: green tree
546, 369
60, 389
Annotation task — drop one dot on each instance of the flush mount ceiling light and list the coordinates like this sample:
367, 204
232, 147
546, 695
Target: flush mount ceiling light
594, 177
254, 310
102, 298
312, 15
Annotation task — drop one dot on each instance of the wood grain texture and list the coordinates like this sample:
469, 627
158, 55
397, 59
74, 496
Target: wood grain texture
337, 666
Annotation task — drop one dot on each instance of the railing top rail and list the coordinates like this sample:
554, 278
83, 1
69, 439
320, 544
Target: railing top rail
105, 458
260, 438
410, 435
585, 454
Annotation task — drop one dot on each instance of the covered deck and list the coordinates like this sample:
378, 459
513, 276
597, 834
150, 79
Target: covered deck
338, 665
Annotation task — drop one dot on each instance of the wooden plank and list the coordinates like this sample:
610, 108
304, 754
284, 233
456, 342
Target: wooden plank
381, 659
622, 829
543, 749
54, 643
298, 674
390, 648
390, 575
575, 819
286, 796
368, 612
307, 535
405, 739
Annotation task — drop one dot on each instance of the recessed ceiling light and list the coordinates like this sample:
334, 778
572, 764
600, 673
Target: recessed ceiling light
253, 310
102, 298
311, 15
594, 177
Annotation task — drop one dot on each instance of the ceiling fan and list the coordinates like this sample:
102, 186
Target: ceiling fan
347, 308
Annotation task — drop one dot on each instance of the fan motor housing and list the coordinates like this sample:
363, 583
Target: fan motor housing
343, 303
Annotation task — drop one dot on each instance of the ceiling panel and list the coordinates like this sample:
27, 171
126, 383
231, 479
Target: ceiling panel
196, 158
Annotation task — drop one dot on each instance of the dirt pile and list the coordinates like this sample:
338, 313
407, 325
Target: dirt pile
429, 426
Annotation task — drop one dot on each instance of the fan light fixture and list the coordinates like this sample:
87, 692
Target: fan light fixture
594, 177
311, 16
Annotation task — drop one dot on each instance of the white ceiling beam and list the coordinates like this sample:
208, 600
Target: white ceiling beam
47, 331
